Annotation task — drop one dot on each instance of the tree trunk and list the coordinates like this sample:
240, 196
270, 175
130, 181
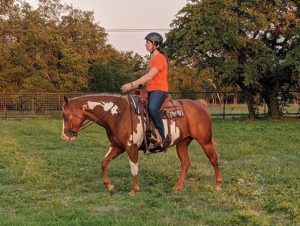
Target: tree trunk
272, 103
251, 104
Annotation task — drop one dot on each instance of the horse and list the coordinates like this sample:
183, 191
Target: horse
125, 131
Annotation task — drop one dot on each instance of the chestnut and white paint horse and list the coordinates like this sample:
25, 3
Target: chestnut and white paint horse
126, 133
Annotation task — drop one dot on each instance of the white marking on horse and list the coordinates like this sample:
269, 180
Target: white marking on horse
109, 150
63, 130
134, 167
175, 132
107, 106
64, 136
137, 137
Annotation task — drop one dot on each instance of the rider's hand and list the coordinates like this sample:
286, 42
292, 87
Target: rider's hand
126, 87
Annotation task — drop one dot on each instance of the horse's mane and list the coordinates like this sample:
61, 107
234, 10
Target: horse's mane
115, 95
97, 95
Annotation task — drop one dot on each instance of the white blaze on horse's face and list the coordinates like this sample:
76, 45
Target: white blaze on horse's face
63, 134
70, 127
137, 137
107, 106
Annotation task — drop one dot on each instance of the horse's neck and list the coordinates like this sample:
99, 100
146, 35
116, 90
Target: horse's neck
104, 110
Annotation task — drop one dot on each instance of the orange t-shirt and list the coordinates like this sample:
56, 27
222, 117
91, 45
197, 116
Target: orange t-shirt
160, 80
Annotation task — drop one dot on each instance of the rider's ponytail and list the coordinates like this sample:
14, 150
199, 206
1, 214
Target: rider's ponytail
163, 53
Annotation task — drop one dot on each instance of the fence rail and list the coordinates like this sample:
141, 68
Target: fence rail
219, 104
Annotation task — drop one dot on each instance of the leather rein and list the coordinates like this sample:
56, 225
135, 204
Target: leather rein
90, 122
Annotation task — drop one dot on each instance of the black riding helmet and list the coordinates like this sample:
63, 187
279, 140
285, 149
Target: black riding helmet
155, 38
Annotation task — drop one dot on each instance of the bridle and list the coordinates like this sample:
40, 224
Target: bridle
72, 130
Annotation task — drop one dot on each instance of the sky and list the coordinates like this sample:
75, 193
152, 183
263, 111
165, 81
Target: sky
155, 15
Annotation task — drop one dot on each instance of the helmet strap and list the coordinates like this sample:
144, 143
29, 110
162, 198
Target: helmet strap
152, 51
154, 48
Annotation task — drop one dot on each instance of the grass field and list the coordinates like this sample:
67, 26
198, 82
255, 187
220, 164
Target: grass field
46, 181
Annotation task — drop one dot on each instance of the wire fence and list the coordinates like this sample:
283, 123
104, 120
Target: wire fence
224, 105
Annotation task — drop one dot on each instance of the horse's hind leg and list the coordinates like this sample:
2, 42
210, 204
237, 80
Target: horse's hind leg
213, 158
112, 153
182, 152
133, 161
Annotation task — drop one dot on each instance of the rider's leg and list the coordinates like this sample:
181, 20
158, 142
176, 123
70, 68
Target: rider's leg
156, 99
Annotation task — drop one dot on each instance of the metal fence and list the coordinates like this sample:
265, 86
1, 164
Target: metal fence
219, 104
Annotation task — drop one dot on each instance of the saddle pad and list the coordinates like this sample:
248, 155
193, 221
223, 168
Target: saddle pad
136, 103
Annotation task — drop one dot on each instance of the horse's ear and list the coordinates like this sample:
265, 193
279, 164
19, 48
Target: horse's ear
66, 100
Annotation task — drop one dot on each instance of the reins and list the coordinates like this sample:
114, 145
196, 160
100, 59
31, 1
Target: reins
89, 122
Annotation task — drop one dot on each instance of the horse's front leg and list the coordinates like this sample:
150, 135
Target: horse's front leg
183, 155
134, 167
112, 153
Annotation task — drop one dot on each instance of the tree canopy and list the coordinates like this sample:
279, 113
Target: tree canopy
55, 48
251, 44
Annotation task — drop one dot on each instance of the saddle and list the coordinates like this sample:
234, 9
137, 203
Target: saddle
170, 109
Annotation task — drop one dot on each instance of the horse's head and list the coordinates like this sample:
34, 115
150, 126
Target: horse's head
73, 118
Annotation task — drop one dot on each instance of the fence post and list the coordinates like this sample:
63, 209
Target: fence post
224, 109
5, 108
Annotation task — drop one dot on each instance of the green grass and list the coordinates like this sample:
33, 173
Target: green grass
242, 109
46, 181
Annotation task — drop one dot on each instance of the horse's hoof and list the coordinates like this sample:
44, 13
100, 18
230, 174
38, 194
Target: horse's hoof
132, 193
219, 188
111, 189
178, 187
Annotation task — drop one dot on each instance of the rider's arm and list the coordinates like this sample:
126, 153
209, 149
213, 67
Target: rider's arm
142, 80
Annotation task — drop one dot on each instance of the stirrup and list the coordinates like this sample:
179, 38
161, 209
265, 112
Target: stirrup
153, 140
166, 143
155, 151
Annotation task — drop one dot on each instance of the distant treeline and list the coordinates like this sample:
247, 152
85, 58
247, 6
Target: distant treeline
57, 48
252, 47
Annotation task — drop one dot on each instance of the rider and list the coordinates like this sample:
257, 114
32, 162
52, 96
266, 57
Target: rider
156, 81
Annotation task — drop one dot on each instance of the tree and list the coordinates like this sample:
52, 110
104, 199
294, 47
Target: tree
54, 47
110, 76
184, 79
5, 6
251, 44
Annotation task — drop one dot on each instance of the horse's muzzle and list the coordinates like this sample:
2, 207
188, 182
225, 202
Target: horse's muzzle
71, 135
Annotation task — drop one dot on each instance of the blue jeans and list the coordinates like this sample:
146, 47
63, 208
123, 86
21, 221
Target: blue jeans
156, 99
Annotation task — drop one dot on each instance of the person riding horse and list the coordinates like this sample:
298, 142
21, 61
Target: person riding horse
125, 132
125, 128
156, 81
